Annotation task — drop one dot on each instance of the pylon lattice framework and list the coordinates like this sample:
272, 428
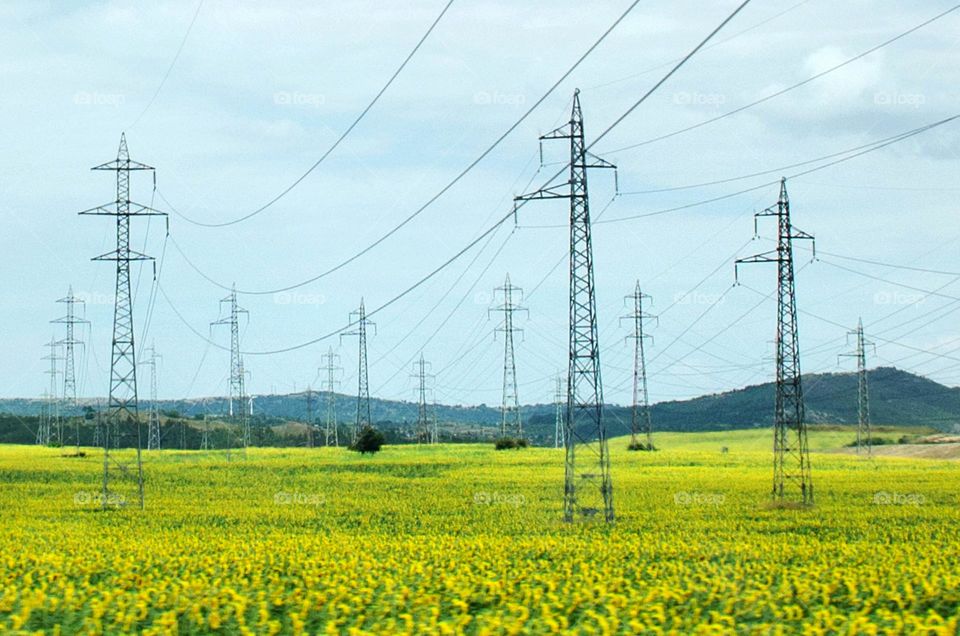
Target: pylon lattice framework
424, 422
588, 490
641, 421
359, 318
69, 343
331, 360
153, 413
51, 425
122, 406
237, 373
511, 421
791, 454
864, 434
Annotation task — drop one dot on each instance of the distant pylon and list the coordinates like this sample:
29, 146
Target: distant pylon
640, 422
791, 454
359, 318
69, 342
560, 401
863, 393
51, 427
511, 421
332, 367
588, 490
153, 417
237, 401
423, 417
310, 419
122, 406
435, 433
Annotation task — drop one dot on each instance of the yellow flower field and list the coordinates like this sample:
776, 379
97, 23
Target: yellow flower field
454, 539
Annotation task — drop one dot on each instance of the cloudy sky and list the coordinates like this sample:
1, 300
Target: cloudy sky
233, 101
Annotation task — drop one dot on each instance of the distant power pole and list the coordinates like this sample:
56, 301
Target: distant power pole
51, 426
153, 417
863, 393
510, 418
331, 360
69, 342
791, 454
560, 401
423, 418
435, 434
237, 375
641, 421
359, 318
122, 405
588, 490
310, 421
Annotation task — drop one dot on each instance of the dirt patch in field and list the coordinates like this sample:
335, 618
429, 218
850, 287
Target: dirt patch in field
941, 450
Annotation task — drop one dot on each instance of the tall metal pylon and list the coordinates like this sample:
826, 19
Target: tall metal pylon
423, 417
362, 323
51, 426
640, 421
310, 419
560, 400
153, 417
71, 320
123, 408
510, 418
435, 433
237, 401
588, 489
332, 367
791, 454
863, 391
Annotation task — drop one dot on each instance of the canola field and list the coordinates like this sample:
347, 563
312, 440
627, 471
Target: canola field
464, 539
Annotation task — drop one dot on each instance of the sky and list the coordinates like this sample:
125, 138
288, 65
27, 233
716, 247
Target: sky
234, 101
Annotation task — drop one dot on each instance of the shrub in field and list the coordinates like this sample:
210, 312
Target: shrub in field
370, 441
505, 443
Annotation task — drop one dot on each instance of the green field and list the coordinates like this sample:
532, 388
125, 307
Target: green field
450, 539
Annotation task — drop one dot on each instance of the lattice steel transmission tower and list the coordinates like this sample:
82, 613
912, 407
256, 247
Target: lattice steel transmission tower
863, 391
153, 414
123, 408
640, 421
71, 320
791, 454
51, 426
362, 323
588, 490
560, 400
423, 417
310, 419
332, 367
510, 418
237, 374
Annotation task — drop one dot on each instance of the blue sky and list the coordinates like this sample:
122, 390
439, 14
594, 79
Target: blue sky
259, 91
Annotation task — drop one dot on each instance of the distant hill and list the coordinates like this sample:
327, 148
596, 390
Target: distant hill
896, 398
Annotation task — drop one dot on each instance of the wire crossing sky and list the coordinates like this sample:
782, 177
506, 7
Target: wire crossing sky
232, 103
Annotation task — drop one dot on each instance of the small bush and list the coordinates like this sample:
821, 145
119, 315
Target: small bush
505, 443
370, 441
640, 446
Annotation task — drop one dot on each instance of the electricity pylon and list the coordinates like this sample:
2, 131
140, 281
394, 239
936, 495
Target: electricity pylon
153, 417
560, 401
510, 418
51, 427
863, 393
331, 359
435, 433
588, 490
123, 407
423, 418
69, 342
640, 421
359, 318
237, 375
791, 455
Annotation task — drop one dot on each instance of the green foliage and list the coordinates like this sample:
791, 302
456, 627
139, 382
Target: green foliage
640, 446
370, 441
505, 443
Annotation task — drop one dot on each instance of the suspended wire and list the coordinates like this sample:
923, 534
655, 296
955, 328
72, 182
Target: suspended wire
787, 89
169, 68
436, 196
